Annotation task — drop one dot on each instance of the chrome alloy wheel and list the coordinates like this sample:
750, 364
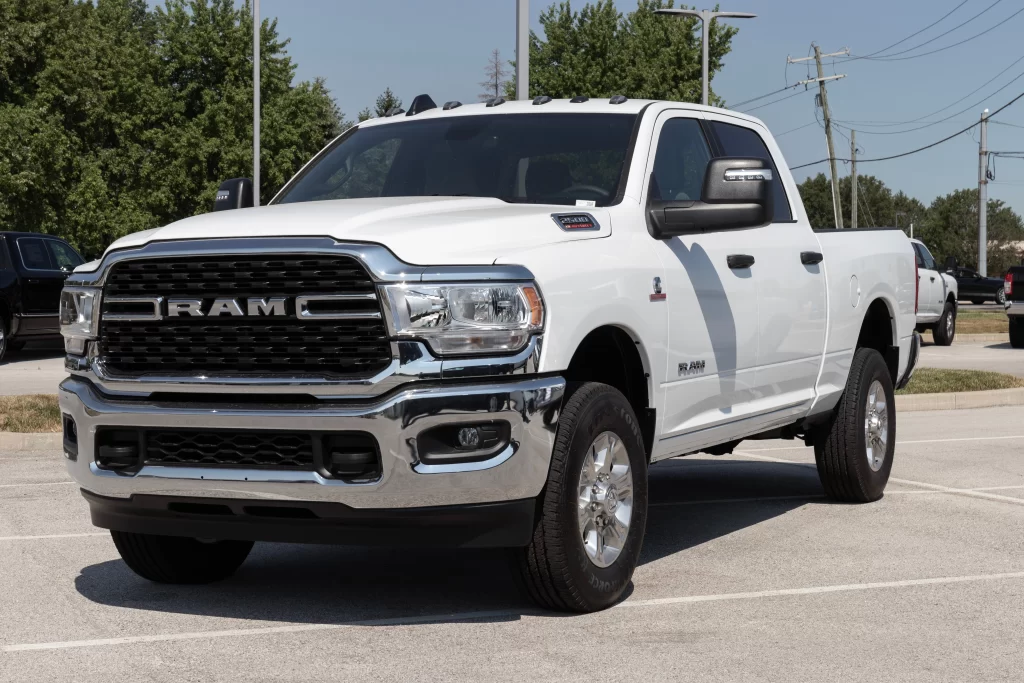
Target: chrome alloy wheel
876, 426
605, 499
949, 324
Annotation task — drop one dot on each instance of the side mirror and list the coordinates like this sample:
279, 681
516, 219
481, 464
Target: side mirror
234, 194
737, 194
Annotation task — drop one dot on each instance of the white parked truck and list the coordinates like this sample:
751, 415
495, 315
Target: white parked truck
479, 326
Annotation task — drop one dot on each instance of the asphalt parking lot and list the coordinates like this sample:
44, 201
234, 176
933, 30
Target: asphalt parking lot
747, 573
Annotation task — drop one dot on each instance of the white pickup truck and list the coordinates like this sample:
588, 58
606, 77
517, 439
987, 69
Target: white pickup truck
479, 326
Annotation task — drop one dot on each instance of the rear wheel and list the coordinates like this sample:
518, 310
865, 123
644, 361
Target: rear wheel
4, 340
1001, 296
593, 510
174, 559
1017, 332
945, 329
854, 451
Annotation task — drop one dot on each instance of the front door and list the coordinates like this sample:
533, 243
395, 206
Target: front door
712, 308
790, 286
931, 297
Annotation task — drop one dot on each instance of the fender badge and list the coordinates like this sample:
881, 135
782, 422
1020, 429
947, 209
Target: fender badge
571, 222
658, 294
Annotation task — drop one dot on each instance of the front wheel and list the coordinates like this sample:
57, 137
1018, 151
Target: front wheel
174, 559
1017, 332
854, 451
593, 511
945, 329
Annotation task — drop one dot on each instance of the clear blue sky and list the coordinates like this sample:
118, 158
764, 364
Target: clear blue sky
441, 46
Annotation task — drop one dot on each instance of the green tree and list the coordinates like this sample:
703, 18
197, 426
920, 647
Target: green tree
386, 101
116, 118
951, 229
599, 52
877, 205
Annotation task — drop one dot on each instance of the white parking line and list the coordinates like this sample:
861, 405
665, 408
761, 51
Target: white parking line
898, 443
500, 614
817, 590
970, 492
50, 536
46, 483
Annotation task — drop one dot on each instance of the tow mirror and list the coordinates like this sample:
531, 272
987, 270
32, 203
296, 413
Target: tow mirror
737, 194
950, 264
233, 194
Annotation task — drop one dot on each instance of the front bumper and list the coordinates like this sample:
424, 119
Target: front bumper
518, 472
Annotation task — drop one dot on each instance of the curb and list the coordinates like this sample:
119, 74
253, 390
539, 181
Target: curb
18, 441
962, 400
973, 338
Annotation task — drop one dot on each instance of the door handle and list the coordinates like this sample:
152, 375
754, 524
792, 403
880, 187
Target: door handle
739, 261
33, 282
933, 279
810, 258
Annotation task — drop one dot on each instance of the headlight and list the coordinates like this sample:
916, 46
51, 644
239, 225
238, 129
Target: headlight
466, 318
79, 317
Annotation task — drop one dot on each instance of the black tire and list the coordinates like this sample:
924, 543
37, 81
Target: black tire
4, 339
1017, 332
174, 559
945, 329
556, 569
977, 302
840, 447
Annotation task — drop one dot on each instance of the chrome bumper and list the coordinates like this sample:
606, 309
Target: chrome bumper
529, 405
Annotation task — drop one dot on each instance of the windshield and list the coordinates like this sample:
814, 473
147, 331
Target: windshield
529, 158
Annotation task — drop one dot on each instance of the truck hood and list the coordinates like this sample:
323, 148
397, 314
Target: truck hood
419, 230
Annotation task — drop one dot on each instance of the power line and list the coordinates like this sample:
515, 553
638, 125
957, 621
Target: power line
952, 104
951, 116
900, 42
919, 149
888, 58
781, 99
1004, 123
761, 97
793, 130
932, 40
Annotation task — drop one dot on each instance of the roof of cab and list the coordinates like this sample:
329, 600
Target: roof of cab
593, 105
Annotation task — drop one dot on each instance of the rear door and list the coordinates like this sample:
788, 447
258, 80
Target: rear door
790, 292
42, 278
929, 298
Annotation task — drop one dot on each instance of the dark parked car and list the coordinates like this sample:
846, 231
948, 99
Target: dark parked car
32, 272
978, 289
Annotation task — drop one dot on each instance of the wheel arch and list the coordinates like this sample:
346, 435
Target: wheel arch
878, 331
613, 355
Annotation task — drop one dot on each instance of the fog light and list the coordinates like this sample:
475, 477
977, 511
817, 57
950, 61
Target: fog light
469, 437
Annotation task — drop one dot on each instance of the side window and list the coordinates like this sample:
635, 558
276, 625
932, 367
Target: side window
680, 162
33, 254
63, 255
738, 141
926, 256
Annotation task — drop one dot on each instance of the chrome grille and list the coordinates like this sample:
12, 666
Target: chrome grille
244, 345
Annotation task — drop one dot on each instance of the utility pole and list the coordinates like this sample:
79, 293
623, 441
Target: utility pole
983, 197
522, 49
853, 179
706, 16
256, 103
836, 200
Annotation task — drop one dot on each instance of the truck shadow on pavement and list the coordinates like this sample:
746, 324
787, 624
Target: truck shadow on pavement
692, 502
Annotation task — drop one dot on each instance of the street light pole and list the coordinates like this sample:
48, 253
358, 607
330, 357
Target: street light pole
706, 17
256, 103
522, 49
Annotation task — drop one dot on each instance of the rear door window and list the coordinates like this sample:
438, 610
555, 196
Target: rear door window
737, 141
63, 256
34, 254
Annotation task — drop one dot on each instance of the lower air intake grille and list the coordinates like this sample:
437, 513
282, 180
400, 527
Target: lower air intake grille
226, 448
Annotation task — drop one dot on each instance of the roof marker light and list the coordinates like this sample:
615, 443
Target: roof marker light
453, 104
618, 99
495, 101
543, 99
579, 99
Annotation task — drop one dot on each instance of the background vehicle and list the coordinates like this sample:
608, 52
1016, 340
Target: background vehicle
1014, 285
936, 297
479, 326
973, 287
32, 272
